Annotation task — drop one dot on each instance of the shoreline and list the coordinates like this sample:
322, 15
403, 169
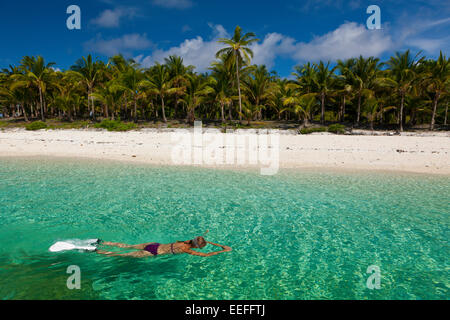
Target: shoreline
235, 169
406, 153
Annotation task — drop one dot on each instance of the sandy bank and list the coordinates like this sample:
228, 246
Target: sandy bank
420, 153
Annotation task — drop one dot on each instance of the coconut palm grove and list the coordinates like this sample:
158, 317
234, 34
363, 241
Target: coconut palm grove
407, 91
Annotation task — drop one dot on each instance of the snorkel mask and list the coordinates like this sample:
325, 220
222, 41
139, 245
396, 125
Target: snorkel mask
195, 242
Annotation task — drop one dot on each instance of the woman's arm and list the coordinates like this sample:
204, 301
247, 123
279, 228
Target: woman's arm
201, 254
226, 248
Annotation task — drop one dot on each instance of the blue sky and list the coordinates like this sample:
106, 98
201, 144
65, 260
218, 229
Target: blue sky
290, 32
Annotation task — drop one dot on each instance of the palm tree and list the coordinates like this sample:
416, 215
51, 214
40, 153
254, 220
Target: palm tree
130, 82
437, 80
220, 83
364, 73
300, 104
402, 75
257, 87
157, 81
119, 66
196, 93
305, 75
177, 73
88, 72
109, 95
36, 73
14, 96
345, 83
239, 51
324, 78
66, 97
277, 96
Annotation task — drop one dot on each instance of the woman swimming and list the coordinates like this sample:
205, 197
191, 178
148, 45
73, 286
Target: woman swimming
157, 249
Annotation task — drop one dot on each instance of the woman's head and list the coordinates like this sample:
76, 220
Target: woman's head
198, 242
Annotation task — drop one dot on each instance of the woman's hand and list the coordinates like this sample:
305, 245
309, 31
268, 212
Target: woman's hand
225, 248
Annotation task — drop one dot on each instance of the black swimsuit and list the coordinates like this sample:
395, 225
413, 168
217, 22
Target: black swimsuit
153, 248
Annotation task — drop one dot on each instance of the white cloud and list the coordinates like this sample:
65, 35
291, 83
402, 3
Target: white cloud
425, 34
348, 40
273, 45
197, 52
173, 4
111, 18
429, 45
125, 45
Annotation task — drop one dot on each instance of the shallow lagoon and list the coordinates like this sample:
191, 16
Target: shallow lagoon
297, 235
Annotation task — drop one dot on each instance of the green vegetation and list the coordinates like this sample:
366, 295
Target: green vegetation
405, 91
334, 128
313, 130
115, 125
337, 128
37, 125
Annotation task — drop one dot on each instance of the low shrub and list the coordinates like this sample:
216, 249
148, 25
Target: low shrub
337, 128
115, 125
37, 125
312, 130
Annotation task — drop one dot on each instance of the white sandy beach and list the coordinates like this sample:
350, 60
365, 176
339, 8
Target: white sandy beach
419, 153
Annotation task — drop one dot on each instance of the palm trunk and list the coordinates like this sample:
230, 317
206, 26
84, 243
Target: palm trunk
238, 85
222, 112
24, 112
156, 110
126, 108
343, 111
400, 115
42, 104
412, 121
446, 112
305, 122
143, 113
322, 114
90, 103
372, 118
106, 111
176, 106
163, 110
135, 109
93, 107
358, 116
433, 115
259, 111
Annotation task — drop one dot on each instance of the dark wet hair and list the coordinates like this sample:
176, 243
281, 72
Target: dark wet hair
198, 242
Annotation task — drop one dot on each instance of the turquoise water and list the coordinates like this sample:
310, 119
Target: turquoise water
296, 235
